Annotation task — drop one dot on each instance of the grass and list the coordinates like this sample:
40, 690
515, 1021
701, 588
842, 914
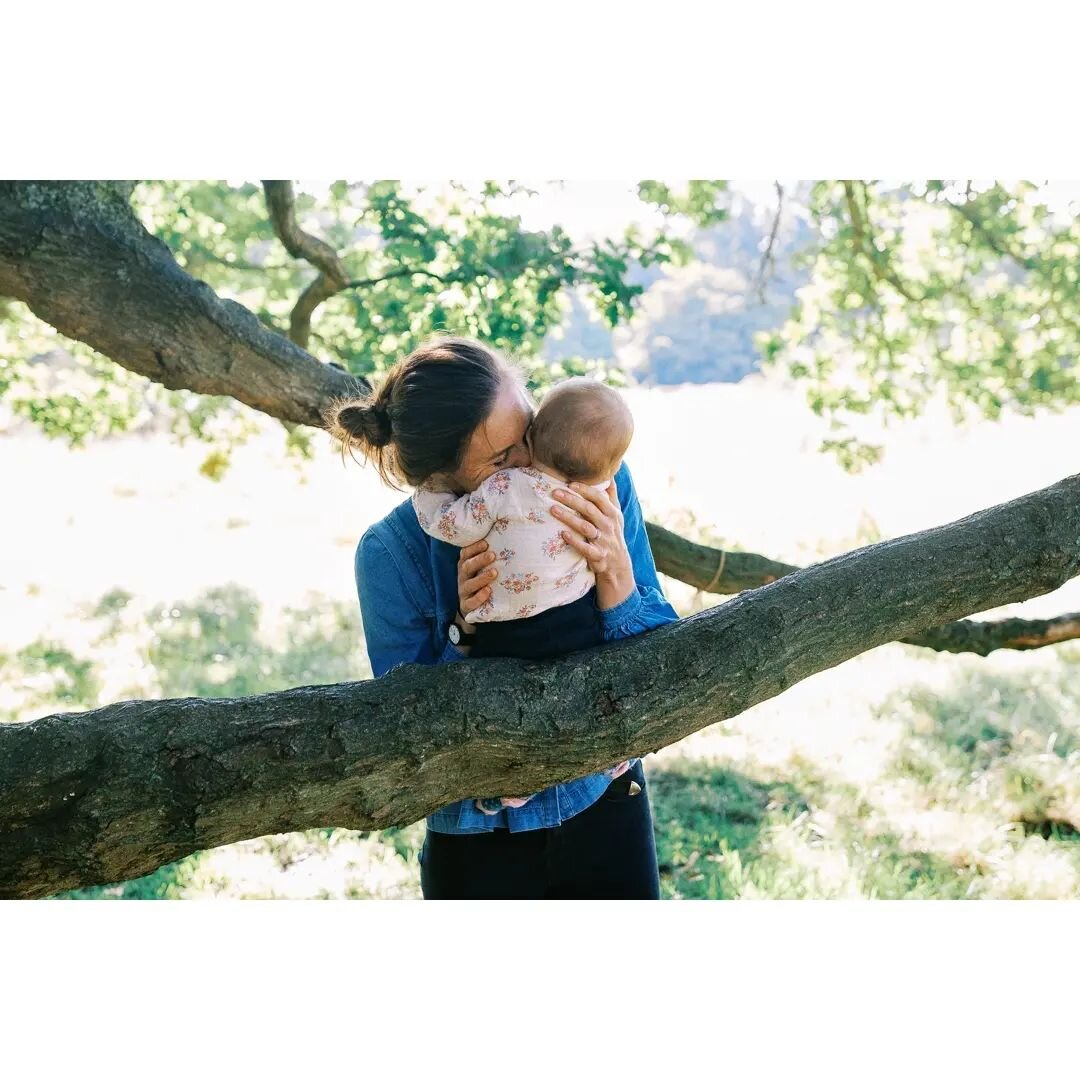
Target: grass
974, 792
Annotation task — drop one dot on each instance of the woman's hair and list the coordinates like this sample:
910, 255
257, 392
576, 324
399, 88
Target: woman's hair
419, 420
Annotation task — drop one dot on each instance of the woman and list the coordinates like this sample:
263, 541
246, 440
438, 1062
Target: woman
451, 414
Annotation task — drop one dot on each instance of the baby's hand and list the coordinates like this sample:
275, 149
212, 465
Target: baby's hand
475, 576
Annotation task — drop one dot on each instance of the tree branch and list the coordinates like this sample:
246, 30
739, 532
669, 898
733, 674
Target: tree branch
697, 564
111, 794
767, 260
717, 571
80, 259
983, 638
401, 271
332, 277
880, 264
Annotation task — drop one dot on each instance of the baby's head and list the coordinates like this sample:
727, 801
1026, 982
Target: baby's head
581, 431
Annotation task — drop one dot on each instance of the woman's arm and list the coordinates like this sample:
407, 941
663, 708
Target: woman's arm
395, 630
614, 542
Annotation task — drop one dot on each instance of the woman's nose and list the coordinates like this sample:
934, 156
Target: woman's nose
520, 457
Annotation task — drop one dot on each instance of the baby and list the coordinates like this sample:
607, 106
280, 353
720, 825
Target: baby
543, 602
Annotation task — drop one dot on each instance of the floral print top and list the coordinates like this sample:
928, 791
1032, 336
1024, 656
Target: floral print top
511, 509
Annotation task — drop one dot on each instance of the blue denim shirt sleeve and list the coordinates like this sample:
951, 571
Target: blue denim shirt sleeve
395, 629
646, 607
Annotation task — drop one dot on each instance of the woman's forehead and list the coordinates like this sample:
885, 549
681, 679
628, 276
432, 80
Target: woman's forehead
504, 425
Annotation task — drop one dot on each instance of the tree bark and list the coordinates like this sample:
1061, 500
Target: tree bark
111, 794
332, 276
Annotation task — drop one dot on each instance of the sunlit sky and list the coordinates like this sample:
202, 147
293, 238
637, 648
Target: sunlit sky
585, 208
596, 208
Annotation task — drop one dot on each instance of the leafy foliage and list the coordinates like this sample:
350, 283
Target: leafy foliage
912, 290
456, 265
943, 287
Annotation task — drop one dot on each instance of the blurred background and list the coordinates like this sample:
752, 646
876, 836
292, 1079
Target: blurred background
813, 366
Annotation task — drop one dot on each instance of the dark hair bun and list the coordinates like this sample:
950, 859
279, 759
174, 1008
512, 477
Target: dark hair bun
368, 422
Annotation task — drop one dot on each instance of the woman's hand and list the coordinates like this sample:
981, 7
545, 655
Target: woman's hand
475, 577
594, 523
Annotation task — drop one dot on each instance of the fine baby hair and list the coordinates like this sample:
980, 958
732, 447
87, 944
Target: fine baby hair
581, 430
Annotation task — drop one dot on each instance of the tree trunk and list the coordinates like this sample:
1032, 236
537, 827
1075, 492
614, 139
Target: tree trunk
112, 794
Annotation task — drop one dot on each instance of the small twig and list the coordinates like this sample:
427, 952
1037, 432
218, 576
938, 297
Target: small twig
864, 242
768, 262
401, 271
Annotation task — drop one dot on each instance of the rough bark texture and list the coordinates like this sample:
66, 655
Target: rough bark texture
114, 793
78, 256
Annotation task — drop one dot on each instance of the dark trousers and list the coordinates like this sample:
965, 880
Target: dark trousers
607, 852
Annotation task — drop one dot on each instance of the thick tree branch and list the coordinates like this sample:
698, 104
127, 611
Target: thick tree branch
700, 565
715, 570
78, 256
112, 794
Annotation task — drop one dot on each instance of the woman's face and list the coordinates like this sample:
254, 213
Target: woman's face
498, 443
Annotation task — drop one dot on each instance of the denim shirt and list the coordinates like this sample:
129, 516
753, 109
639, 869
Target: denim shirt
407, 585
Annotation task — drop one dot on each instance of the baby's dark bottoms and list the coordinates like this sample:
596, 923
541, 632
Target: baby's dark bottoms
550, 633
